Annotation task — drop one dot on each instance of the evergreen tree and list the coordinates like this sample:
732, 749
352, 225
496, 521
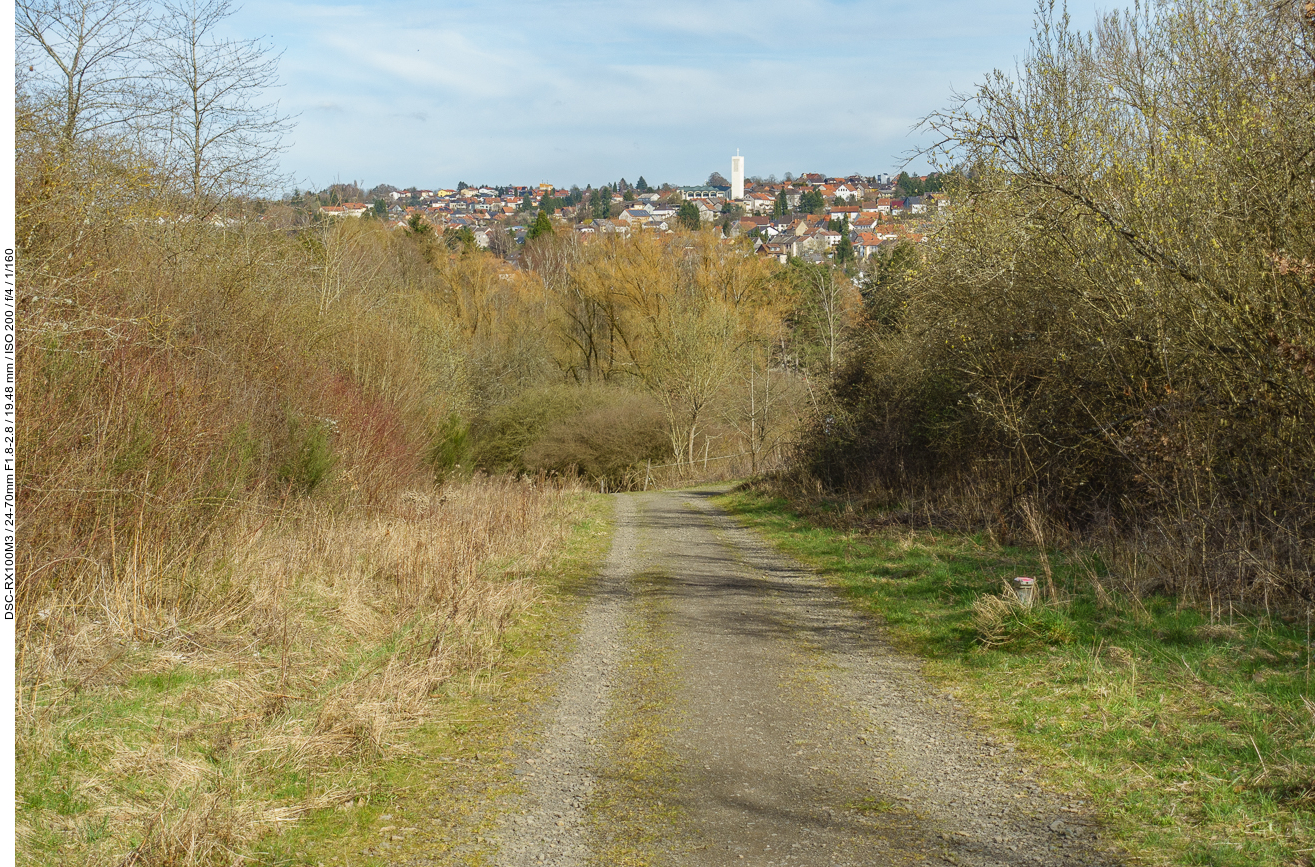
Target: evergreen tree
641, 184
845, 252
542, 225
781, 206
416, 225
602, 203
460, 240
908, 185
812, 202
688, 216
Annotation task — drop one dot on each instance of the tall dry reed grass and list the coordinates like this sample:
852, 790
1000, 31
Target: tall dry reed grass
168, 719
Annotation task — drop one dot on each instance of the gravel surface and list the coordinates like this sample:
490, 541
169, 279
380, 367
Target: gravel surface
549, 825
800, 737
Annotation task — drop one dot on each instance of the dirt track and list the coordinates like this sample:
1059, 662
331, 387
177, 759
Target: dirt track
723, 706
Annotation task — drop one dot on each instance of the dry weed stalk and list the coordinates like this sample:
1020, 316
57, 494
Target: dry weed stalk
1036, 526
991, 615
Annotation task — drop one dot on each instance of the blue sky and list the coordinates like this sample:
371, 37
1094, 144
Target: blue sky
589, 91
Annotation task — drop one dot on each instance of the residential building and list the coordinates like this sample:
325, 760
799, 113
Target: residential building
700, 192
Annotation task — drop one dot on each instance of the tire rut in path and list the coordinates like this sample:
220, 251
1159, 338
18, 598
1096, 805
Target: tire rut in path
800, 737
550, 827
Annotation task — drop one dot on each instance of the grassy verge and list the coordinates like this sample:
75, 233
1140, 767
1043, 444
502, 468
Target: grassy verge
1192, 731
329, 669
435, 800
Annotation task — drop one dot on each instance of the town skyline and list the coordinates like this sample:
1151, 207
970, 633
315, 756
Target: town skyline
813, 217
634, 181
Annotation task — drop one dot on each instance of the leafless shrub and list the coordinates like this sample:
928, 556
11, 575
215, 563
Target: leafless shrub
1100, 343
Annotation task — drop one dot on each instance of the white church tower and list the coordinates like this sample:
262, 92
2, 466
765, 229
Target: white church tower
737, 176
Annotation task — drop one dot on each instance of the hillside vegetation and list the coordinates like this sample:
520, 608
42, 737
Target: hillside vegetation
1114, 336
239, 584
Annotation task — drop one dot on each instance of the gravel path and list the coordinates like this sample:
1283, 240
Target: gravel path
797, 735
550, 825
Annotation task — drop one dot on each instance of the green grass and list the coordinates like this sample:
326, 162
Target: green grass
145, 735
444, 786
632, 814
1194, 736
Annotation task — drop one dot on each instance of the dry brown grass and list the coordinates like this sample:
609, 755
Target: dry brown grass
990, 614
237, 586
160, 726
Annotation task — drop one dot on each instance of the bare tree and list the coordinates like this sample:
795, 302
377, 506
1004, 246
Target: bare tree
695, 352
218, 133
501, 243
83, 60
827, 305
763, 410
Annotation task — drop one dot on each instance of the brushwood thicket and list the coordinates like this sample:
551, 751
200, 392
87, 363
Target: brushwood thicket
1117, 324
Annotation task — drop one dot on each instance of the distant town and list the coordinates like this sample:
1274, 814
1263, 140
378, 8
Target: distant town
810, 216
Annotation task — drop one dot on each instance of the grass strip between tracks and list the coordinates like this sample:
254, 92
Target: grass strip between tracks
633, 816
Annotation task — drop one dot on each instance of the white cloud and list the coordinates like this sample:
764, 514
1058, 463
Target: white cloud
589, 90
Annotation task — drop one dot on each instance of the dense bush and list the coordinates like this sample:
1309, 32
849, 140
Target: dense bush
598, 431
609, 441
173, 371
1118, 322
